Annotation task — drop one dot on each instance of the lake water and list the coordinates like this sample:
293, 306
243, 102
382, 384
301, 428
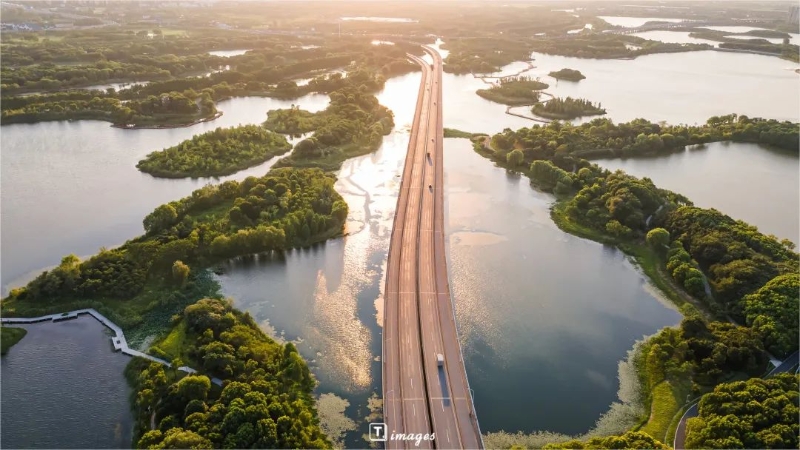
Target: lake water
676, 88
733, 178
63, 193
228, 53
633, 22
63, 387
531, 300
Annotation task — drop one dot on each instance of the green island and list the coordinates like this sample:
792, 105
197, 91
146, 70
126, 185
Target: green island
607, 46
140, 284
265, 402
567, 108
602, 138
735, 41
736, 287
567, 74
219, 152
9, 337
756, 413
514, 91
353, 124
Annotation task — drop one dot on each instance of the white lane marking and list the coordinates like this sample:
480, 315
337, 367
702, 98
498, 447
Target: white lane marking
448, 435
414, 407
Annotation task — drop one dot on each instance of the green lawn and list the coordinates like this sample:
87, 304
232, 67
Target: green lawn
10, 336
666, 401
174, 343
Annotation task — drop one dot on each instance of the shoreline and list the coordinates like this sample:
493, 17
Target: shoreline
216, 116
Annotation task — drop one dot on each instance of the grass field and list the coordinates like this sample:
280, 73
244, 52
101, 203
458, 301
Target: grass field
10, 336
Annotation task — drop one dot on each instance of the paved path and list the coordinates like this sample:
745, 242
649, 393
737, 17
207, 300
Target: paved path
118, 340
420, 396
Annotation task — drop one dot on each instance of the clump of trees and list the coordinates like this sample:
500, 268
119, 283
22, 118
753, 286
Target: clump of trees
219, 152
757, 413
603, 138
353, 124
520, 90
567, 108
284, 209
567, 74
265, 400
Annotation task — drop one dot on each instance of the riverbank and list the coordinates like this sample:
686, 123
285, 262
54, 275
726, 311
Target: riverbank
10, 336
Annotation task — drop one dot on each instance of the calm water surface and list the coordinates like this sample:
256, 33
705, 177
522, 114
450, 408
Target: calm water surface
228, 53
63, 387
676, 88
745, 181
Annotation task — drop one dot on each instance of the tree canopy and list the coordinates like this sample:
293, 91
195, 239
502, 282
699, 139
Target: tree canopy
757, 413
265, 400
215, 153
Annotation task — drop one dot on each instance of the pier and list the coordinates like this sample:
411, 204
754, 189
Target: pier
117, 341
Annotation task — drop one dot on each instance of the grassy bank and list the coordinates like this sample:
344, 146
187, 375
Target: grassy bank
9, 337
453, 133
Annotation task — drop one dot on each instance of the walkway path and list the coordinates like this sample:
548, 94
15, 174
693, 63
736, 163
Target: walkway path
118, 340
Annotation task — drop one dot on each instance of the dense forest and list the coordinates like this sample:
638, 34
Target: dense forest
567, 108
219, 152
514, 91
567, 74
757, 413
284, 209
604, 138
265, 400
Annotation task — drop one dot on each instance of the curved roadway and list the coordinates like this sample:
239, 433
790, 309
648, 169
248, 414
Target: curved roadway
421, 397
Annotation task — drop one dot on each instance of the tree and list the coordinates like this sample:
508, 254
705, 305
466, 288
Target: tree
515, 158
180, 272
658, 238
194, 387
163, 217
